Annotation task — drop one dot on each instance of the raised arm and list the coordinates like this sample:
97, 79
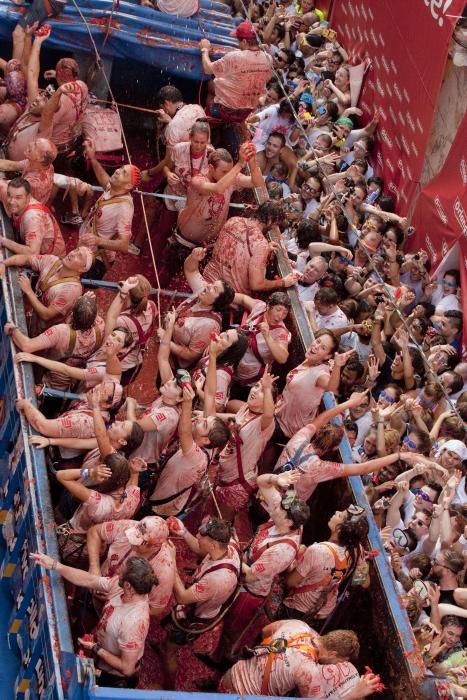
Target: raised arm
355, 400
52, 365
34, 67
210, 385
118, 304
247, 151
89, 152
191, 268
279, 352
205, 46
94, 544
102, 437
163, 353
185, 430
267, 381
255, 179
69, 478
76, 576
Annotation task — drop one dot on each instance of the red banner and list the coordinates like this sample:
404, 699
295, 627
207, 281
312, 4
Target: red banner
440, 218
406, 43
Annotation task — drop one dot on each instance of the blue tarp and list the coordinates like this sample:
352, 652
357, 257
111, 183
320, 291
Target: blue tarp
126, 30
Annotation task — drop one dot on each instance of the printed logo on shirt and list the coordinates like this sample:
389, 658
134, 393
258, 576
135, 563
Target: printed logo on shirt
49, 332
201, 586
161, 417
260, 568
105, 617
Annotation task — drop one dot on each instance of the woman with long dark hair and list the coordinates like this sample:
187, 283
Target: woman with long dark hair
322, 568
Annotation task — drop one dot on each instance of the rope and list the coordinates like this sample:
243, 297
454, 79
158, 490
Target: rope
344, 212
125, 144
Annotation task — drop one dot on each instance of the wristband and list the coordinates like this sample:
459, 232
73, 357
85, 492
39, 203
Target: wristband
85, 474
164, 342
123, 294
95, 649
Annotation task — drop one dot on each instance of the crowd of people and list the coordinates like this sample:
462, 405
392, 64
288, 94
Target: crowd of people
232, 438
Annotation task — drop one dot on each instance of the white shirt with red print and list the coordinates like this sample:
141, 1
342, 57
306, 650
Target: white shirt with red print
212, 589
105, 506
123, 627
294, 668
313, 469
252, 442
240, 78
301, 397
165, 419
250, 366
62, 295
182, 471
269, 554
240, 248
163, 565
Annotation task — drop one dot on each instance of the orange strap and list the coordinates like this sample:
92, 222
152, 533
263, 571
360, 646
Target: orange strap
292, 643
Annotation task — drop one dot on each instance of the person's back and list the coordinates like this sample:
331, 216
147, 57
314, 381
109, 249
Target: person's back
240, 247
250, 676
37, 221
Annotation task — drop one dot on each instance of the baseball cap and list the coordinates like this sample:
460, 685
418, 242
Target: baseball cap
344, 121
456, 446
244, 31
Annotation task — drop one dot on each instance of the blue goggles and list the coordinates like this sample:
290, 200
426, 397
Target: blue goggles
449, 284
343, 259
410, 443
385, 395
419, 492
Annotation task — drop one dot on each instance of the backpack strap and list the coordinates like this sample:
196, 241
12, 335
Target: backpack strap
268, 545
71, 343
340, 565
143, 336
280, 646
38, 206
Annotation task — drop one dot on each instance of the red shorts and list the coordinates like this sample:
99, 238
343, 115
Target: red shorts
234, 495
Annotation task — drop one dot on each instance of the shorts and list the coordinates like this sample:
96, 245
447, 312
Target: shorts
111, 680
180, 637
40, 10
234, 495
227, 114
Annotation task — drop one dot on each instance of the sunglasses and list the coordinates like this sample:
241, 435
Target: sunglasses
424, 496
344, 260
290, 207
307, 188
410, 443
385, 395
